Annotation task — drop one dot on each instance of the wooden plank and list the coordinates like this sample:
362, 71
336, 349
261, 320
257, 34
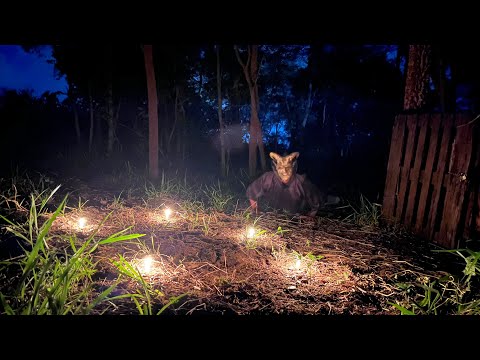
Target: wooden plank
393, 167
415, 171
438, 175
468, 232
471, 230
405, 169
456, 184
475, 183
426, 176
477, 218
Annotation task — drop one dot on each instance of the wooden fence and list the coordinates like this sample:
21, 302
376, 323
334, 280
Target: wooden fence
433, 177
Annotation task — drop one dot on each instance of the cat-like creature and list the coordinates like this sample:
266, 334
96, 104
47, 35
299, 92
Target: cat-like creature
284, 189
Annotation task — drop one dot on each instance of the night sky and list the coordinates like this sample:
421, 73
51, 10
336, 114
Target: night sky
20, 70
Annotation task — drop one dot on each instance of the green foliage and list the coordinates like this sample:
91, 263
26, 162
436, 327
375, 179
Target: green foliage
166, 186
125, 268
281, 231
472, 267
217, 197
443, 295
366, 213
16, 192
143, 297
81, 204
52, 282
117, 202
307, 260
252, 242
206, 224
308, 257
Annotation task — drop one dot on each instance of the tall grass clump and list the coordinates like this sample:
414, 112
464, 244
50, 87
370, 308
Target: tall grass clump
48, 281
218, 197
365, 213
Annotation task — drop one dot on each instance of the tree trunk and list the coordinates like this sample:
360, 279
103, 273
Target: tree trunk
418, 77
175, 120
182, 132
308, 105
90, 102
161, 120
238, 99
98, 138
77, 123
250, 70
220, 120
109, 102
165, 124
152, 113
441, 85
258, 129
110, 118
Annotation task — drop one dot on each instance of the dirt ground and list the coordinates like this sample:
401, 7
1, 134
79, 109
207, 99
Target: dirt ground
291, 265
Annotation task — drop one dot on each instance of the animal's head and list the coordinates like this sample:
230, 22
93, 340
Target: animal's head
285, 166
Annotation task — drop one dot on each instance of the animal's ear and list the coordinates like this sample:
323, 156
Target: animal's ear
293, 156
275, 156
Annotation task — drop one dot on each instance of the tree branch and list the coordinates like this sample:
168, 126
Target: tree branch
235, 47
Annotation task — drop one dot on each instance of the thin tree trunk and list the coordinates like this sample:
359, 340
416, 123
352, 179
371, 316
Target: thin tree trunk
90, 102
441, 85
250, 70
237, 98
166, 124
110, 118
109, 102
220, 120
98, 138
180, 125
418, 76
175, 119
77, 123
161, 120
308, 106
152, 113
258, 129
182, 131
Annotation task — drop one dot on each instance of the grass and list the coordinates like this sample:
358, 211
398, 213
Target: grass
52, 282
446, 294
365, 213
48, 280
218, 197
307, 260
143, 297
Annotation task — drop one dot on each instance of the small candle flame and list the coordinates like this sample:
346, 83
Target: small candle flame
82, 222
250, 232
168, 212
147, 264
298, 263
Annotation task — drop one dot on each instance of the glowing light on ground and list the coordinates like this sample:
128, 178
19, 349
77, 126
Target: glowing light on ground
298, 263
168, 213
82, 222
153, 267
147, 264
250, 232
